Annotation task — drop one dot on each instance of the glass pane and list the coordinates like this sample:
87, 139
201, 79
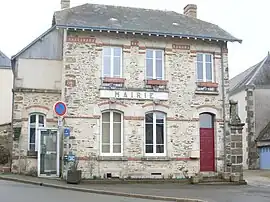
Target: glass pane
199, 71
159, 69
106, 51
106, 117
149, 134
149, 149
160, 134
208, 58
41, 119
106, 66
116, 117
208, 71
160, 117
160, 149
105, 148
32, 147
206, 121
200, 57
149, 68
117, 133
117, 52
105, 132
116, 66
149, 53
116, 148
149, 118
159, 54
32, 135
33, 119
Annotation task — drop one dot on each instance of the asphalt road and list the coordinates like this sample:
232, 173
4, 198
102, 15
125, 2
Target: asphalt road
14, 192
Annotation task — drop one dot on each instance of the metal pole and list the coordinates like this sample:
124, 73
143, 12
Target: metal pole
67, 150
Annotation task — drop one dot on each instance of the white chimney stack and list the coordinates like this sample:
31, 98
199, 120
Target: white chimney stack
65, 4
191, 10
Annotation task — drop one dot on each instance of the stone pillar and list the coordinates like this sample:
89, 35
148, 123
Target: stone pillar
236, 127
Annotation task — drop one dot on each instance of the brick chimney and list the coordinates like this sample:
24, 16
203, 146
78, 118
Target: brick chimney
65, 4
191, 10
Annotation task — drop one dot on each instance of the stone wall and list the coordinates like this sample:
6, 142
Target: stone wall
27, 101
82, 73
5, 147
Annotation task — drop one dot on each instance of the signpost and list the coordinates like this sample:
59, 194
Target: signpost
60, 109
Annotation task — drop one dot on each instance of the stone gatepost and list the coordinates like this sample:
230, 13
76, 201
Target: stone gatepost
236, 127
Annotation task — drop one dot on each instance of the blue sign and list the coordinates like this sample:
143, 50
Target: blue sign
60, 108
66, 132
71, 157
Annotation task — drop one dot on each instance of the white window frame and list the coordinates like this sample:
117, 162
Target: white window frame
37, 128
112, 61
155, 134
111, 133
204, 67
154, 64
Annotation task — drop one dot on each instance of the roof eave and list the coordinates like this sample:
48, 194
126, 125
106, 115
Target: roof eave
101, 29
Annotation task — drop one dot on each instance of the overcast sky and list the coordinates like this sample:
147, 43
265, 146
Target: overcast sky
24, 20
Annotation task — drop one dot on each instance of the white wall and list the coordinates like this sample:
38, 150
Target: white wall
240, 97
39, 74
6, 84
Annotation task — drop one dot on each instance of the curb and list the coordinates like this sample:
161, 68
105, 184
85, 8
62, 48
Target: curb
96, 191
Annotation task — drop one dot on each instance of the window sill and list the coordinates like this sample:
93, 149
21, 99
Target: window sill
206, 92
156, 82
207, 84
113, 80
32, 154
112, 158
155, 158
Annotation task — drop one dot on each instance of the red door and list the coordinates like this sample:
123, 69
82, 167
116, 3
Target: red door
207, 143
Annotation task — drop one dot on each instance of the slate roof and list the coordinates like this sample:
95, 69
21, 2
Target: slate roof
149, 21
4, 61
264, 135
258, 74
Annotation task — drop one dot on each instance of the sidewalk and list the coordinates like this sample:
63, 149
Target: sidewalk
92, 188
167, 192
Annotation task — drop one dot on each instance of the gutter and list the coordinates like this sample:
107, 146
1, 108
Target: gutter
145, 32
223, 106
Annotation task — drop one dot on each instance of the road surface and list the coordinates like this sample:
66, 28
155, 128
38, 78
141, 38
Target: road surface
14, 192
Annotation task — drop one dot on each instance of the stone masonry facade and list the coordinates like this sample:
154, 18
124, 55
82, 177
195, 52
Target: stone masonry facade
82, 79
82, 65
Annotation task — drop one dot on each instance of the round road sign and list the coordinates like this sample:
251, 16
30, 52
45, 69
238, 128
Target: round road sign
60, 108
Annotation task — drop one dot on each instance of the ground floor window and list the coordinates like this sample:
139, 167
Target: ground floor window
36, 121
112, 133
155, 133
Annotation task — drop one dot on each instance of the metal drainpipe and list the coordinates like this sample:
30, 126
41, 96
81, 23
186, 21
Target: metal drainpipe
223, 106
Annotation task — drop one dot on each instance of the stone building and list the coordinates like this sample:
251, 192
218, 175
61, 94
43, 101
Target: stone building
146, 93
251, 89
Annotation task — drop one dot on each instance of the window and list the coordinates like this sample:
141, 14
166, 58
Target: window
112, 62
154, 64
205, 67
35, 121
155, 131
112, 133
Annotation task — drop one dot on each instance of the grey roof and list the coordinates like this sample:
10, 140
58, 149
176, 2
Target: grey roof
4, 61
264, 135
148, 21
257, 75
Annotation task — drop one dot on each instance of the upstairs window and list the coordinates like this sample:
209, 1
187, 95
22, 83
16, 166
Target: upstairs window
154, 64
205, 72
112, 62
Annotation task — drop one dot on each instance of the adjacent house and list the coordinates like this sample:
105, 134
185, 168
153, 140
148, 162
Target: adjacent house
251, 89
6, 84
145, 90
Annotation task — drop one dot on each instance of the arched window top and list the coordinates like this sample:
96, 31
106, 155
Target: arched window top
157, 116
206, 120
